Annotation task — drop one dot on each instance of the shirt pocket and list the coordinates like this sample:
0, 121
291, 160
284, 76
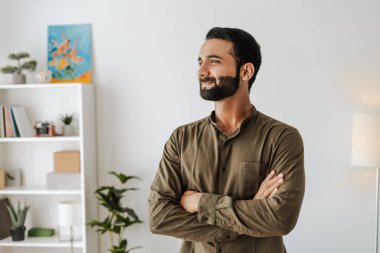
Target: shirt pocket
249, 179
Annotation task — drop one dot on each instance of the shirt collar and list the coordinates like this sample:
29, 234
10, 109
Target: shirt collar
250, 117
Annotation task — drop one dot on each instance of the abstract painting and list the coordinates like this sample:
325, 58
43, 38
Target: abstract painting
69, 53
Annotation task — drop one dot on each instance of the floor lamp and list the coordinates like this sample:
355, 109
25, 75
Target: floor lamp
366, 151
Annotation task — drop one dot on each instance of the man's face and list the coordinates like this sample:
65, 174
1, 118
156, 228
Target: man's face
218, 78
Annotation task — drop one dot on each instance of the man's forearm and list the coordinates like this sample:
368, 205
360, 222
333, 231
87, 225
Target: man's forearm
169, 218
275, 216
190, 199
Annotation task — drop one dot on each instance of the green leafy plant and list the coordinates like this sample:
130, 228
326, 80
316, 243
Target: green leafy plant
18, 215
119, 217
66, 118
29, 65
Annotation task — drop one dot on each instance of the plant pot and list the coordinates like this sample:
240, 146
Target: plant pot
68, 130
19, 78
18, 234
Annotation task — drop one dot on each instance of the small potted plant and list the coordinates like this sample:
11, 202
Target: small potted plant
18, 76
119, 217
66, 119
18, 217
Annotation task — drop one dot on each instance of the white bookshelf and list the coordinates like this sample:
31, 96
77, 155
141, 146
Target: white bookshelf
34, 157
36, 190
42, 139
39, 242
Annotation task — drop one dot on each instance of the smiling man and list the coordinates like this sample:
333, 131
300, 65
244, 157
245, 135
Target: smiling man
234, 181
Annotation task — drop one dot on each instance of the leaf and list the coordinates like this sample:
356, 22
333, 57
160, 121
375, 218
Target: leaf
17, 216
9, 70
123, 244
109, 202
104, 188
102, 226
131, 213
18, 56
122, 177
30, 65
138, 247
22, 216
131, 189
66, 118
13, 215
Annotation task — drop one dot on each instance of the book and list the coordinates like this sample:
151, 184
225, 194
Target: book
40, 232
14, 126
8, 122
2, 178
23, 124
5, 219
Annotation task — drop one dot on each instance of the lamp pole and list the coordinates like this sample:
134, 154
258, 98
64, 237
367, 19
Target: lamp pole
377, 211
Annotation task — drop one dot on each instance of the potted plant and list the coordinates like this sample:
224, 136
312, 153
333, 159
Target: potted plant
118, 216
18, 220
18, 76
66, 119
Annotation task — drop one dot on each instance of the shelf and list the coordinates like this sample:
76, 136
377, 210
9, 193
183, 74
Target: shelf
33, 156
38, 85
36, 190
41, 139
40, 242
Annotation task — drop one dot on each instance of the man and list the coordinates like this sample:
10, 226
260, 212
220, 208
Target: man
234, 181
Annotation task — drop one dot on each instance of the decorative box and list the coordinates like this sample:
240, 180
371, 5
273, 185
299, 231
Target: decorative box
67, 161
63, 181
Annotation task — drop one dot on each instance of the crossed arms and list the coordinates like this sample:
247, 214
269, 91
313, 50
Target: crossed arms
208, 217
190, 199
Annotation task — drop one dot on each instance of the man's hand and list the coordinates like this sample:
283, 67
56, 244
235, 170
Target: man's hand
190, 200
269, 186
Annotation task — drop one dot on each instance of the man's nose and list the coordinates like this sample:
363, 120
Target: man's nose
203, 70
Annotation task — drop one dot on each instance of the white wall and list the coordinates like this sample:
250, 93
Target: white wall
321, 63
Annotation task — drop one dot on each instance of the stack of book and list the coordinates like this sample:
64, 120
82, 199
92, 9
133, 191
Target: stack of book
14, 122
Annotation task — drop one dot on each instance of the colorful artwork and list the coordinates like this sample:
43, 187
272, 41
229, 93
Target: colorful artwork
69, 53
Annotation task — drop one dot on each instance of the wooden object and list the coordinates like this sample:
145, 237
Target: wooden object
67, 161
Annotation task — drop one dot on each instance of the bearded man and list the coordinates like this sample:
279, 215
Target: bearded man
234, 181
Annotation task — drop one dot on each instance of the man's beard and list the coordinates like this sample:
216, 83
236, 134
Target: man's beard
226, 87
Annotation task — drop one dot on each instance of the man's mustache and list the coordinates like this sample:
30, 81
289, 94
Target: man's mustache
207, 79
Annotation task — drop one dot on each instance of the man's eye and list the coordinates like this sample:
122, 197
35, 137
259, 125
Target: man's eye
214, 61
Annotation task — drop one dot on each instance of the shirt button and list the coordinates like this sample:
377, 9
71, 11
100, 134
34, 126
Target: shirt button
204, 219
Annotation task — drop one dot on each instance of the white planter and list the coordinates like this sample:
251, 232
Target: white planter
68, 130
19, 78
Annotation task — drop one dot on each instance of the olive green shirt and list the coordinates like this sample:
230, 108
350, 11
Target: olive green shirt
228, 170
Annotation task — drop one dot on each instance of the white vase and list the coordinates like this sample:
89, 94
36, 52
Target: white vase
68, 130
19, 78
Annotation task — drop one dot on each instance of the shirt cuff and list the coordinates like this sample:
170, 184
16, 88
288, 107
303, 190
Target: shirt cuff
226, 236
206, 208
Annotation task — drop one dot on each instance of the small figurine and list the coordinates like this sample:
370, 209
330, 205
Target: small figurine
44, 76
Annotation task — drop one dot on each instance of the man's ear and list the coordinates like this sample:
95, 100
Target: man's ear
247, 71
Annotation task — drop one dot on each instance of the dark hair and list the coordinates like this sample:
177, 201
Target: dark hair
245, 47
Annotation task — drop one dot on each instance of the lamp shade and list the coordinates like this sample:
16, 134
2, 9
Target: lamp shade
366, 140
69, 213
